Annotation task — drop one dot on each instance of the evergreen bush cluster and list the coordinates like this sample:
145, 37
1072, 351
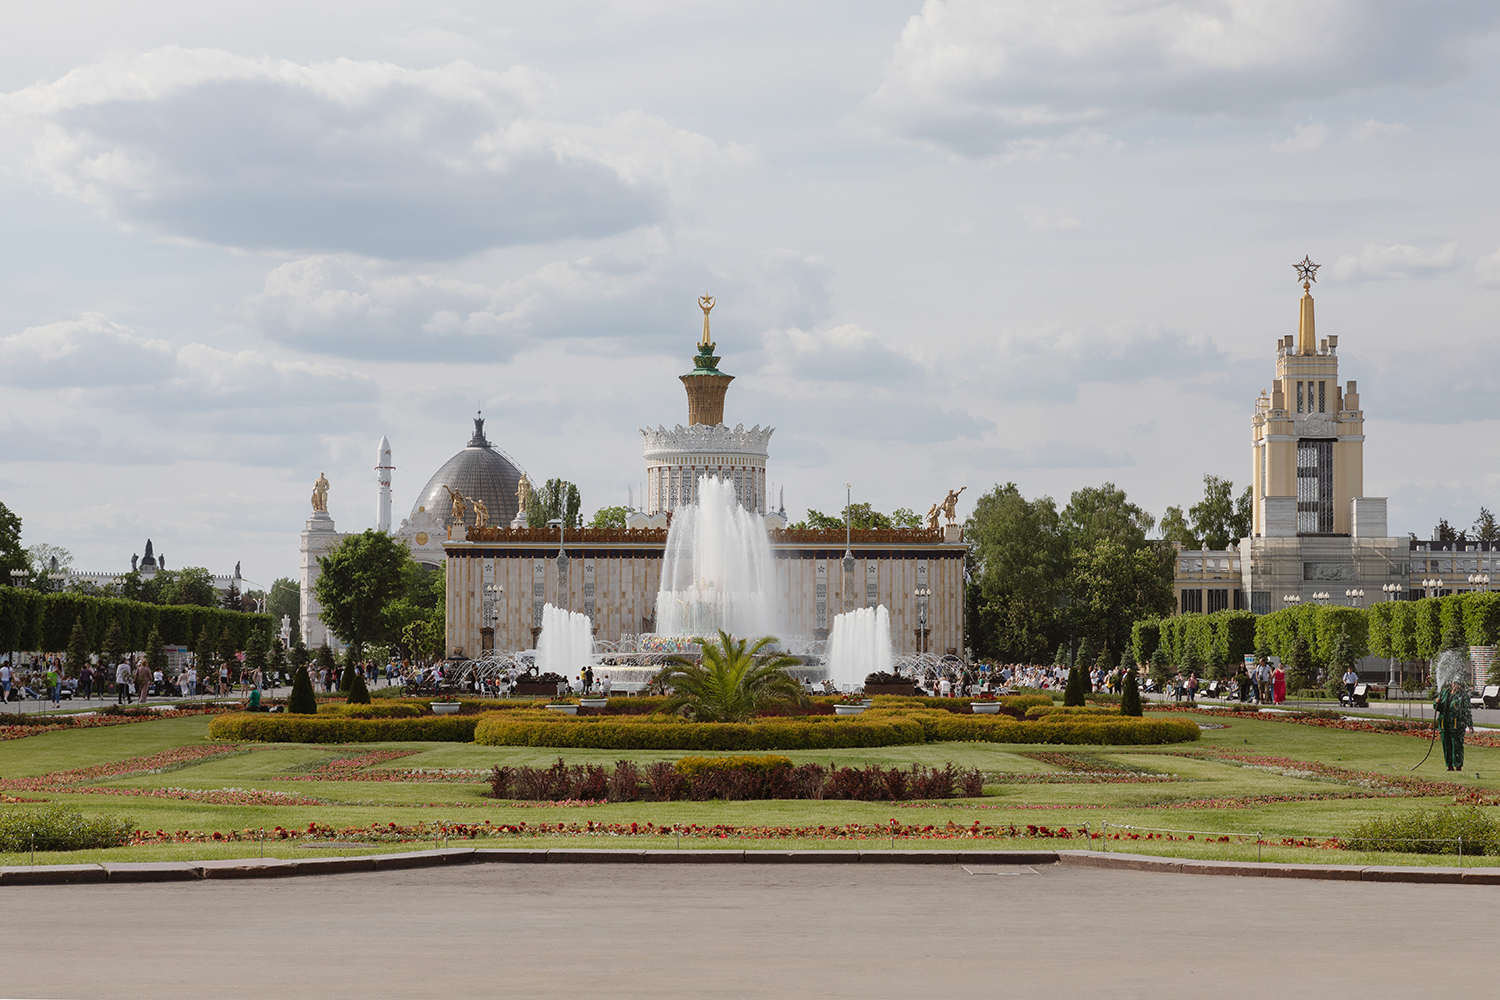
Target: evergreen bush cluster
1433, 831
45, 622
261, 727
60, 828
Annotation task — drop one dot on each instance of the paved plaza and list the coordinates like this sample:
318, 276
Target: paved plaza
664, 932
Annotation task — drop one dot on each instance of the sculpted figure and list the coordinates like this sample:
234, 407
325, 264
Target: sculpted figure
932, 518
458, 503
706, 303
950, 504
523, 493
320, 494
481, 513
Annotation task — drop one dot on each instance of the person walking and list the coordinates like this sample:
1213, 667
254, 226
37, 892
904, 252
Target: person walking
143, 682
85, 681
1278, 685
1453, 717
122, 684
5, 681
1350, 679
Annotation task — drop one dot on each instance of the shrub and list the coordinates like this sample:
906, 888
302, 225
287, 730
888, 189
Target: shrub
885, 677
1078, 686
60, 828
624, 782
276, 728
303, 700
691, 767
1130, 701
1424, 832
359, 693
665, 783
1043, 711
396, 710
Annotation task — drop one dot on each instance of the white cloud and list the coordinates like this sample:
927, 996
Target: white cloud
344, 156
1048, 220
1374, 131
844, 353
969, 76
1487, 270
1305, 138
87, 351
1053, 364
1061, 455
1399, 261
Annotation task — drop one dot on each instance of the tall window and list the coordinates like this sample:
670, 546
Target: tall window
1320, 398
1299, 397
1315, 487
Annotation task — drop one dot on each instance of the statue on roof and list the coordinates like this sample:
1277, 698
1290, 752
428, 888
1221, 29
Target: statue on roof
320, 494
706, 303
950, 504
459, 510
481, 513
523, 494
932, 518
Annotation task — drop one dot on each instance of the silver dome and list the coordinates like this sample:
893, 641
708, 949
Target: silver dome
481, 471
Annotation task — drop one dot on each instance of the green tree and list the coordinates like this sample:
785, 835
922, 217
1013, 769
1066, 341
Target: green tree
1130, 699
1299, 665
299, 656
730, 682
1218, 664
1218, 518
285, 599
227, 650
1444, 532
905, 517
12, 556
359, 578
1174, 528
359, 692
326, 662
232, 599
1061, 659
1161, 671
114, 645
1127, 658
190, 585
609, 517
557, 498
78, 647
256, 651
276, 660
1020, 564
1485, 527
156, 652
816, 520
1340, 659
1105, 660
204, 651
303, 701
1076, 693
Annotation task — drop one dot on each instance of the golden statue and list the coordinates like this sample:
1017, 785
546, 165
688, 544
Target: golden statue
320, 494
523, 494
932, 518
706, 303
458, 503
950, 505
481, 513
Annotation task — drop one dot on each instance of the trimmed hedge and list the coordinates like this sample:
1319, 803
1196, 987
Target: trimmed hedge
262, 727
690, 767
819, 732
1044, 711
44, 622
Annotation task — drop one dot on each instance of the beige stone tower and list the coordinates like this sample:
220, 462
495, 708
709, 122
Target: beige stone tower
705, 384
1307, 440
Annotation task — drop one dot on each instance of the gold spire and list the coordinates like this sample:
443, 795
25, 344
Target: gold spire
1307, 338
706, 303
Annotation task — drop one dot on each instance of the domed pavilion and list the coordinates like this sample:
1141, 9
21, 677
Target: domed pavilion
480, 472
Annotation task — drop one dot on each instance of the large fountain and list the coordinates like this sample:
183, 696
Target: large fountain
566, 644
717, 572
859, 644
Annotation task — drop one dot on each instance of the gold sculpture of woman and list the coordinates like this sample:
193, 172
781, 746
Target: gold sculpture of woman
706, 303
320, 494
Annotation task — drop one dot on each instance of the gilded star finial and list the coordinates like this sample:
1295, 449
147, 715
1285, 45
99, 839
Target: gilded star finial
1307, 272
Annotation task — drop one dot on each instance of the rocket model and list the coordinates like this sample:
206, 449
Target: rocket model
383, 469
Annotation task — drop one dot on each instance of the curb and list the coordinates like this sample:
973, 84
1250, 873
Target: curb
262, 868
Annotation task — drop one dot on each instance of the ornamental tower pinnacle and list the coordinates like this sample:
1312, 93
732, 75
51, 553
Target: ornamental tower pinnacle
705, 384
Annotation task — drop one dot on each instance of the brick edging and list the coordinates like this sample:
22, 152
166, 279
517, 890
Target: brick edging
191, 871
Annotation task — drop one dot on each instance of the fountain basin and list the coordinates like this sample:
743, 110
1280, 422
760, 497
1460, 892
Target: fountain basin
445, 707
848, 709
985, 707
593, 702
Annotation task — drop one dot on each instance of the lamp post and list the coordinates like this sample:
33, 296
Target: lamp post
17, 579
493, 592
562, 562
1321, 596
922, 593
848, 530
1391, 590
1480, 580
1435, 585
1356, 597
1292, 599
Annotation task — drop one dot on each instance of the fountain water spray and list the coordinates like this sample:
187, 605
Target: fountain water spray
1451, 665
566, 644
717, 572
859, 644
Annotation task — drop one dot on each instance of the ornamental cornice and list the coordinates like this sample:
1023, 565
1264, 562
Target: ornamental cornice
682, 440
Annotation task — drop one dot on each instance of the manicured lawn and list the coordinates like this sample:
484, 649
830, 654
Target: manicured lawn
1206, 793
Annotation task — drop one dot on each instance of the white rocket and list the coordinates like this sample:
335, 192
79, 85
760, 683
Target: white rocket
383, 469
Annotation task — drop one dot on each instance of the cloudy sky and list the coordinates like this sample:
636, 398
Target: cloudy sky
957, 242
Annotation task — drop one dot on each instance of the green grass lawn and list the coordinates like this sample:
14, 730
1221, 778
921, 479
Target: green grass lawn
1205, 795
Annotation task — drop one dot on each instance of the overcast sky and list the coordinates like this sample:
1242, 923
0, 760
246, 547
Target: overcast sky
958, 242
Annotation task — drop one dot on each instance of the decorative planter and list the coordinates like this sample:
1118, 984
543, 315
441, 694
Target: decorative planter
564, 709
848, 709
904, 690
868, 702
533, 688
593, 702
445, 707
985, 707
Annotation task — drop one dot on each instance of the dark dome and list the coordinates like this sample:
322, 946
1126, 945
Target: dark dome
479, 472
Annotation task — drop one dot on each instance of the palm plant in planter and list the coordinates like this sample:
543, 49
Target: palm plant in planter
731, 682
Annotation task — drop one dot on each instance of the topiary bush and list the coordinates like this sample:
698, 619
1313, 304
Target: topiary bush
1130, 700
303, 700
359, 694
60, 828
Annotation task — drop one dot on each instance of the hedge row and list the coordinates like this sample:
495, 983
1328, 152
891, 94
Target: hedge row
822, 733
1413, 630
44, 622
1230, 632
262, 727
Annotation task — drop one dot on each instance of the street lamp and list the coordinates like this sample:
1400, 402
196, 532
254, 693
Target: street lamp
922, 593
1356, 597
1321, 596
17, 578
1480, 580
1291, 599
1434, 584
1391, 590
493, 592
848, 530
562, 560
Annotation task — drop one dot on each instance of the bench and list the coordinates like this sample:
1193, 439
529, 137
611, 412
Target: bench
1360, 698
1488, 698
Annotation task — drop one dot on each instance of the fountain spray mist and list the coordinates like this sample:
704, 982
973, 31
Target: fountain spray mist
717, 572
859, 644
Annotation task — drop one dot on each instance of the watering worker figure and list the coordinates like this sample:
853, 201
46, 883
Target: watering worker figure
1453, 717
